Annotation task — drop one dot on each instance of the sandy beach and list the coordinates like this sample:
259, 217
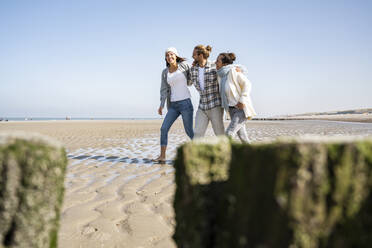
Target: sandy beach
115, 195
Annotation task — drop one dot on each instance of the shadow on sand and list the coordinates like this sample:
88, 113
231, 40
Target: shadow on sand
115, 159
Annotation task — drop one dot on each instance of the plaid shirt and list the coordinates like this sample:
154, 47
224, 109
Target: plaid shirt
210, 96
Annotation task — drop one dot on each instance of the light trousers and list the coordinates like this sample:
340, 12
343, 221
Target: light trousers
202, 119
237, 124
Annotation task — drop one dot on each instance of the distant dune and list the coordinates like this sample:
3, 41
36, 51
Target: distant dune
343, 112
355, 115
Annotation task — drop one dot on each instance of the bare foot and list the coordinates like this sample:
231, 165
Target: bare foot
159, 159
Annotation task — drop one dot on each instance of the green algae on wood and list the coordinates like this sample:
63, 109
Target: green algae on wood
32, 171
298, 192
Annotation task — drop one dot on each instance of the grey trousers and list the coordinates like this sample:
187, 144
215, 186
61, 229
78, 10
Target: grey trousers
237, 124
202, 118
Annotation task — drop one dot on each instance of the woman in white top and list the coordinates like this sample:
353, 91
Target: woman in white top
235, 90
174, 90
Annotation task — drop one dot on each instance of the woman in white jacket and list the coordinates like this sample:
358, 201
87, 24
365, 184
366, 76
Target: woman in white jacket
235, 91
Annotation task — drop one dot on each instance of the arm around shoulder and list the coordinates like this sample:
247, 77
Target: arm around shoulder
187, 68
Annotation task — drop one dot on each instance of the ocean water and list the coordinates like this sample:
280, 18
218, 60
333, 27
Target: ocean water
71, 118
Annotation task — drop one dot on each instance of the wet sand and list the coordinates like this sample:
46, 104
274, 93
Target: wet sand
116, 196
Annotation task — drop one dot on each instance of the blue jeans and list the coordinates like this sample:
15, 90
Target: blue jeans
184, 108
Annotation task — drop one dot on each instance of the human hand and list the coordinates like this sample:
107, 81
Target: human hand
238, 69
160, 111
239, 105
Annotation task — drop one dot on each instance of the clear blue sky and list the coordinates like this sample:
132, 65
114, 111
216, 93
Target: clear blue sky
104, 58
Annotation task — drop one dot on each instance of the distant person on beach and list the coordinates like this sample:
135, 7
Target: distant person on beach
235, 89
204, 78
174, 81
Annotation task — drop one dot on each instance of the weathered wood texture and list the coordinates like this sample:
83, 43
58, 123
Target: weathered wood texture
32, 171
305, 192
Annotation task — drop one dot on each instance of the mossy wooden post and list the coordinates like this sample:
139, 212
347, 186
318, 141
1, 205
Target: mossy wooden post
303, 192
201, 170
32, 171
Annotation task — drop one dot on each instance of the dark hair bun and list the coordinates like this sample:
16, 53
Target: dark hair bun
232, 56
208, 48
